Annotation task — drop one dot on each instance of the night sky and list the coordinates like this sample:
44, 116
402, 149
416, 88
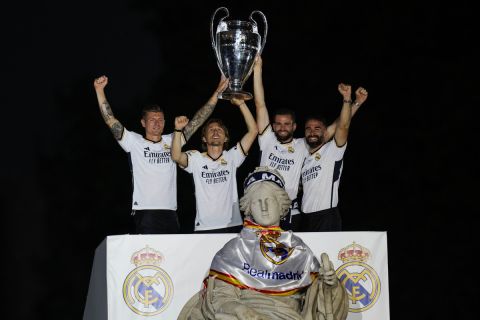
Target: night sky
409, 167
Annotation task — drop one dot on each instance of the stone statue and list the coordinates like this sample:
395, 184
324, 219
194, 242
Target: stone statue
265, 272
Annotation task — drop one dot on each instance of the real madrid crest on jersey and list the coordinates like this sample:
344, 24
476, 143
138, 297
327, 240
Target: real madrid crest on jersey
317, 156
291, 149
273, 250
147, 290
166, 146
361, 280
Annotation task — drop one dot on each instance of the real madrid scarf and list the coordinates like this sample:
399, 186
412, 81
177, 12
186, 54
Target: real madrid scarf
266, 259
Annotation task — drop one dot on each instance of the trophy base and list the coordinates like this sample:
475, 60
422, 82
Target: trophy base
229, 95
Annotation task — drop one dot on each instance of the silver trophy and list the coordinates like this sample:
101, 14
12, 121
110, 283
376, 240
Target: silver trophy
236, 43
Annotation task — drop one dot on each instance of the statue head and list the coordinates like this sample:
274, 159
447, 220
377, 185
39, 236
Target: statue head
265, 200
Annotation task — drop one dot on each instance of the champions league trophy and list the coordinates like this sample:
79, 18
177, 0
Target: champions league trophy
236, 43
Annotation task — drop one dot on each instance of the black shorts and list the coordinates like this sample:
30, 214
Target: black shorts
235, 229
293, 223
156, 221
324, 220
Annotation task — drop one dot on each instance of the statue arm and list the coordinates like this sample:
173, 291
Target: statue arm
332, 298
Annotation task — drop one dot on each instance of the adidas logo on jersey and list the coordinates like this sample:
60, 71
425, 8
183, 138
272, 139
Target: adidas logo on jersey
205, 167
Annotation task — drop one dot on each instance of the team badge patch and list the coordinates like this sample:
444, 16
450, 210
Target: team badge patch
166, 146
291, 149
148, 289
223, 162
317, 156
273, 250
361, 280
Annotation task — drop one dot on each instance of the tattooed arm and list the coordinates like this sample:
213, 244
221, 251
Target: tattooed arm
205, 111
115, 126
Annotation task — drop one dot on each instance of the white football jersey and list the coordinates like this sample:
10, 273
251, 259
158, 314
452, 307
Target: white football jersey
154, 174
216, 188
287, 158
321, 177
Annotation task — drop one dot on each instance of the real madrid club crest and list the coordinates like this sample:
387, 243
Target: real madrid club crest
317, 156
166, 146
147, 290
360, 279
223, 162
273, 250
291, 149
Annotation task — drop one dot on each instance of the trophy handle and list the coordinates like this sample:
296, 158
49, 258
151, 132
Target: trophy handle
264, 38
212, 34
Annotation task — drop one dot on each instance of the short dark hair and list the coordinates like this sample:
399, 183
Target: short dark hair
285, 112
316, 117
152, 108
222, 125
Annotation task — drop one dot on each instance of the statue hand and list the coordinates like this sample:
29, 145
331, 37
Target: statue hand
327, 271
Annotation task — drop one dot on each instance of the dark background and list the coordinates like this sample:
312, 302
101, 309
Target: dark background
410, 166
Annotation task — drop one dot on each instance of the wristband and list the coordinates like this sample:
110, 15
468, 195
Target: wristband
347, 101
177, 130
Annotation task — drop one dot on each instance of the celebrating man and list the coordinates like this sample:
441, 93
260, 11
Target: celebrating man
154, 201
214, 172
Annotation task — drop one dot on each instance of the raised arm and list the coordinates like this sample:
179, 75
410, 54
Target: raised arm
177, 155
259, 95
252, 132
343, 123
360, 96
115, 126
205, 111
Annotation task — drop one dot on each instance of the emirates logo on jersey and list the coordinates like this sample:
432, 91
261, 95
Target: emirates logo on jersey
215, 177
156, 157
279, 163
311, 173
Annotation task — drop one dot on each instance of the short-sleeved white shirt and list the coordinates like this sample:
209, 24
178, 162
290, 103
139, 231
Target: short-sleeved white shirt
216, 188
287, 158
154, 174
321, 177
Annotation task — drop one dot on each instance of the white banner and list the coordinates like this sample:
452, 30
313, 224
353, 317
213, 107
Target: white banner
153, 276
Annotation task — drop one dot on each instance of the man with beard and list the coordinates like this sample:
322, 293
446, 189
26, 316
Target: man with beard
323, 166
279, 149
214, 172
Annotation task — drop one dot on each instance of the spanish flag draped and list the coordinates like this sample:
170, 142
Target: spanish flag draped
267, 260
